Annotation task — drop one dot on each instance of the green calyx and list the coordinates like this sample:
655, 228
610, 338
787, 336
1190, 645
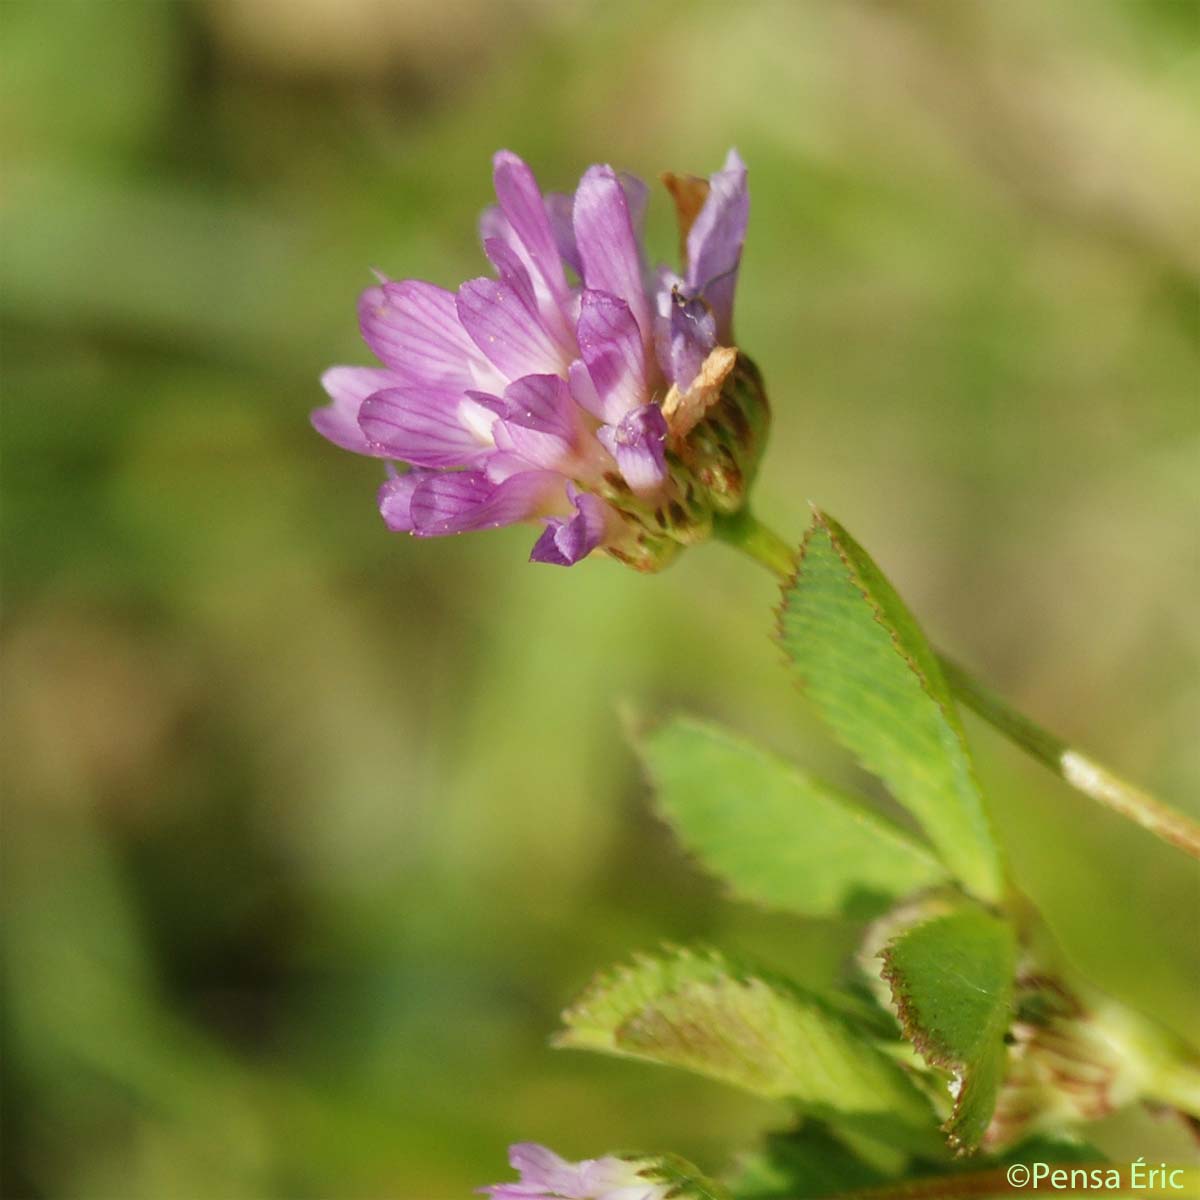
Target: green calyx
717, 432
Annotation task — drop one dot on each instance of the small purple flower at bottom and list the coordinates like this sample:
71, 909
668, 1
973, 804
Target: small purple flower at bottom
545, 1176
563, 388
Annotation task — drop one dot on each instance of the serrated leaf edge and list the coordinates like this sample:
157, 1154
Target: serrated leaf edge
607, 979
893, 834
921, 1040
832, 527
835, 1006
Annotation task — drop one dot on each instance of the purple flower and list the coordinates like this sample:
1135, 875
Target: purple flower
564, 387
545, 1176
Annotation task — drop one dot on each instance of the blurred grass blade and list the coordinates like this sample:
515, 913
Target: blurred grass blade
952, 985
696, 1010
772, 833
868, 670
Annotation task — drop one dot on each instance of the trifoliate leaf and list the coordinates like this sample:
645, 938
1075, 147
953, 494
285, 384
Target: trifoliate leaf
694, 1009
774, 834
952, 986
868, 670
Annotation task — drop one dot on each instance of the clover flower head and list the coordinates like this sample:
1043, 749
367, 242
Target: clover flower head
574, 386
545, 1176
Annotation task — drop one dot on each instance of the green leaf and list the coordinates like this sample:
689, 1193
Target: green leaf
952, 986
809, 1161
868, 670
775, 835
694, 1009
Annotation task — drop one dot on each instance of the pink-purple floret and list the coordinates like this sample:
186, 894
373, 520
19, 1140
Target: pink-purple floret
546, 1176
514, 398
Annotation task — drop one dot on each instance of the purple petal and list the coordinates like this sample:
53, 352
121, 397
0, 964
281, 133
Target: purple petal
583, 390
685, 333
542, 402
564, 542
612, 1179
544, 308
413, 327
502, 464
395, 500
560, 210
457, 501
533, 1161
521, 202
608, 246
637, 199
494, 224
511, 270
545, 1176
540, 423
429, 429
347, 388
638, 445
611, 344
497, 406
506, 331
532, 448
715, 240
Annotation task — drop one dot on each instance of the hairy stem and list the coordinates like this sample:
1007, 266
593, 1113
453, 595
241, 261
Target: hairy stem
1082, 772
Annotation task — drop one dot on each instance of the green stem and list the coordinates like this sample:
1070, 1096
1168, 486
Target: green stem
1177, 1084
745, 532
748, 534
1082, 772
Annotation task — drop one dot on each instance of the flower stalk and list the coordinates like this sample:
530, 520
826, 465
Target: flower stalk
1080, 771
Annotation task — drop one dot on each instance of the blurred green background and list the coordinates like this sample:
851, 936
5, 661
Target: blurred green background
310, 830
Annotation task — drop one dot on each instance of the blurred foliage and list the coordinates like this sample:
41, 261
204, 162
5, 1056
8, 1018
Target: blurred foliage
310, 830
